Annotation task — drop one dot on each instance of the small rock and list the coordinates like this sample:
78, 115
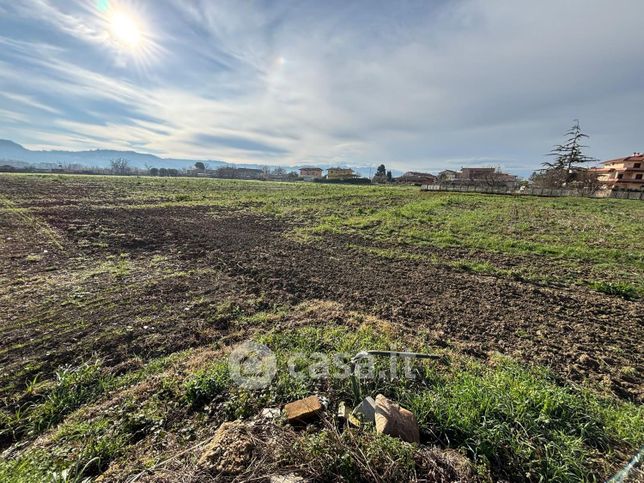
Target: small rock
395, 421
343, 410
366, 410
292, 478
271, 413
587, 361
303, 409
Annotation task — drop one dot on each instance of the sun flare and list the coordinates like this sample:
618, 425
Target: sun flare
126, 30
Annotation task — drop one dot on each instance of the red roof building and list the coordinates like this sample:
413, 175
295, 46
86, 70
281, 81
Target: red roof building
622, 173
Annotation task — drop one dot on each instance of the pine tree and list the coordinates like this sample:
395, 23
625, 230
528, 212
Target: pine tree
570, 153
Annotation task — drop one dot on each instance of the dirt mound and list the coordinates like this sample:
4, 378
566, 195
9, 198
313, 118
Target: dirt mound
230, 451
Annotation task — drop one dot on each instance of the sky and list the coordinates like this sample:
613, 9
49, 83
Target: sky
422, 85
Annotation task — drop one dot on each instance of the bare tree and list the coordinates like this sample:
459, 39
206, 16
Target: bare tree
495, 179
120, 166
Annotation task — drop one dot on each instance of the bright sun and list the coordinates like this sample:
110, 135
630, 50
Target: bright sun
126, 30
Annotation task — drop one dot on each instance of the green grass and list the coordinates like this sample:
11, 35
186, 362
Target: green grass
515, 422
207, 384
574, 241
625, 290
71, 388
347, 456
583, 232
521, 422
81, 447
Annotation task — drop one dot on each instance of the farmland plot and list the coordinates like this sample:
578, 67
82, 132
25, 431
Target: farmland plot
115, 291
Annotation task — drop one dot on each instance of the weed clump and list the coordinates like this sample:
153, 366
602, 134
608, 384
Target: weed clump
207, 384
71, 388
619, 289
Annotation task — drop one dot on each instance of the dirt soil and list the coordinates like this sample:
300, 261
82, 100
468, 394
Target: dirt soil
55, 310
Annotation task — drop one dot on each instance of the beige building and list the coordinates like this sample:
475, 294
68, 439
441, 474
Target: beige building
340, 173
310, 174
622, 173
447, 175
473, 174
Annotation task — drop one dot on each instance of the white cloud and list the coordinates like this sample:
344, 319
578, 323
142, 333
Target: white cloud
422, 86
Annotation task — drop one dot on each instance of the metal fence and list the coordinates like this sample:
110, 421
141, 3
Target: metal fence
504, 190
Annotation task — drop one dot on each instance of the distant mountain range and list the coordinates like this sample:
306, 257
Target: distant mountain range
14, 154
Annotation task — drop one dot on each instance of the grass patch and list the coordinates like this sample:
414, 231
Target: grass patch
71, 388
514, 422
333, 456
207, 384
624, 290
520, 423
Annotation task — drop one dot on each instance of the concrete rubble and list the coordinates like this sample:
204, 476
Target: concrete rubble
270, 413
292, 478
396, 421
366, 410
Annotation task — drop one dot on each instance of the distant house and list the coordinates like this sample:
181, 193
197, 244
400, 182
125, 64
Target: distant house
340, 173
310, 174
447, 175
416, 178
622, 173
478, 177
473, 174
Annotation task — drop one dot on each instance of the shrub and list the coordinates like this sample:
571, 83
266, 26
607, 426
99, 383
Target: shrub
207, 384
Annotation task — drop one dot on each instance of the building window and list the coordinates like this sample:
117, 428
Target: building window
620, 176
637, 165
638, 176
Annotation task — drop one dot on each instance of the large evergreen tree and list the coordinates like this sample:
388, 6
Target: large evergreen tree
570, 153
566, 168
